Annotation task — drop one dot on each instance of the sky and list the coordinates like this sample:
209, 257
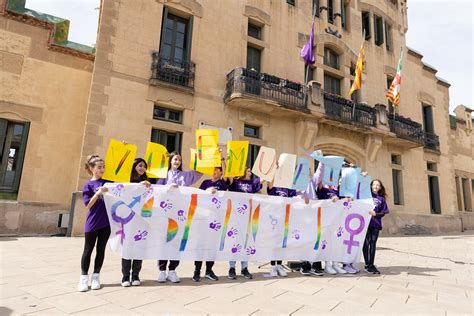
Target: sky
441, 30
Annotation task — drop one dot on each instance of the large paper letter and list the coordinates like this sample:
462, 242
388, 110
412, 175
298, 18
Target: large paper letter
157, 160
286, 170
237, 152
265, 164
302, 174
349, 182
193, 164
207, 149
119, 161
332, 167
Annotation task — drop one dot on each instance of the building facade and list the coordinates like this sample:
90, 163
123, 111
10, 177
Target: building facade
165, 68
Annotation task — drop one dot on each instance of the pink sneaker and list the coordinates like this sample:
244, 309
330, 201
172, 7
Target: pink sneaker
355, 268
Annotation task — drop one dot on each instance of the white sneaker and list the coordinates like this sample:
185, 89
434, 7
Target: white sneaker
95, 281
83, 283
338, 269
162, 277
329, 269
273, 272
126, 283
136, 282
281, 272
173, 277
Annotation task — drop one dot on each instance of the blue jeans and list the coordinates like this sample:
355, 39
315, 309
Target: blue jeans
243, 264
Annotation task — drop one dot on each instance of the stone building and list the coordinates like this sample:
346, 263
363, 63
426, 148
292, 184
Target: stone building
164, 68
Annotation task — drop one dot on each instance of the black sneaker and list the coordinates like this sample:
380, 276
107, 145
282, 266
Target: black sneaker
375, 270
366, 268
317, 272
211, 275
370, 269
197, 276
305, 271
232, 275
245, 272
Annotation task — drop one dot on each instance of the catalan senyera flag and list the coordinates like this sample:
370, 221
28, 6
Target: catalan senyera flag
393, 93
357, 84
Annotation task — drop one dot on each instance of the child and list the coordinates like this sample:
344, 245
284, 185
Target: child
277, 269
97, 227
214, 184
138, 176
375, 226
243, 184
176, 177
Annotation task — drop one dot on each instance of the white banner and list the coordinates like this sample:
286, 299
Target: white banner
190, 224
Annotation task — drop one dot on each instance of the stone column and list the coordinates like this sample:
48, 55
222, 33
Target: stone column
337, 9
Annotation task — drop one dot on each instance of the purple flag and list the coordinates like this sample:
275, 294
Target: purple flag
307, 50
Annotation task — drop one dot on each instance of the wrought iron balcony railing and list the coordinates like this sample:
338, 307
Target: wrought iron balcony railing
406, 128
174, 72
431, 141
342, 109
287, 93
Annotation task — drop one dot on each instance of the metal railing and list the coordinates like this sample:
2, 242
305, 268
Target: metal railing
431, 141
406, 128
174, 72
343, 109
287, 93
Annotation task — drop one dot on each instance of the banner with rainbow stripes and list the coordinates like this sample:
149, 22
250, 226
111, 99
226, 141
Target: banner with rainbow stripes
185, 223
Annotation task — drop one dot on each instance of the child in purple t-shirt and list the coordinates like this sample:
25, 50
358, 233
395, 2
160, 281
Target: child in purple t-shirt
276, 265
213, 185
375, 225
175, 177
244, 184
138, 176
97, 227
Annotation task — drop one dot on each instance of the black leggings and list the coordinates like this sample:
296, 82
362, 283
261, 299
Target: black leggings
134, 265
101, 236
276, 262
370, 244
172, 266
198, 265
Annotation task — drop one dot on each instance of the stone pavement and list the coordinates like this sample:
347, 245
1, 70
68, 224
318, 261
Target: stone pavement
420, 275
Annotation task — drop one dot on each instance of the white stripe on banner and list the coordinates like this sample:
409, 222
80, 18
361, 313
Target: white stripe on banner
190, 224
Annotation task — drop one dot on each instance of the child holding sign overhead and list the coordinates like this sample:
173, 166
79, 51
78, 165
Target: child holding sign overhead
214, 184
244, 184
97, 227
175, 177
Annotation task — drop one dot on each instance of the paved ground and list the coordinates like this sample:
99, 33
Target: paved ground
430, 275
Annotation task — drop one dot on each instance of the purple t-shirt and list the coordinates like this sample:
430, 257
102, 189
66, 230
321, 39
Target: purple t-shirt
246, 186
380, 209
220, 185
326, 193
181, 178
284, 192
97, 215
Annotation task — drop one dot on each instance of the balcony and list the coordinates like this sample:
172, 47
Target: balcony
408, 130
247, 88
172, 73
431, 141
345, 111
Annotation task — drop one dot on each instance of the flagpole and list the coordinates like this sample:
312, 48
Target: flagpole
395, 107
354, 104
307, 66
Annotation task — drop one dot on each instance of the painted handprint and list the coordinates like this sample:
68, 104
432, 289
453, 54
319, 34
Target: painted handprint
215, 225
181, 215
216, 202
148, 193
166, 205
236, 248
340, 231
295, 234
324, 243
117, 190
251, 250
242, 208
347, 204
232, 232
140, 235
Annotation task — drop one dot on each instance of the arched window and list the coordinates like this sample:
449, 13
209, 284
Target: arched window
331, 58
